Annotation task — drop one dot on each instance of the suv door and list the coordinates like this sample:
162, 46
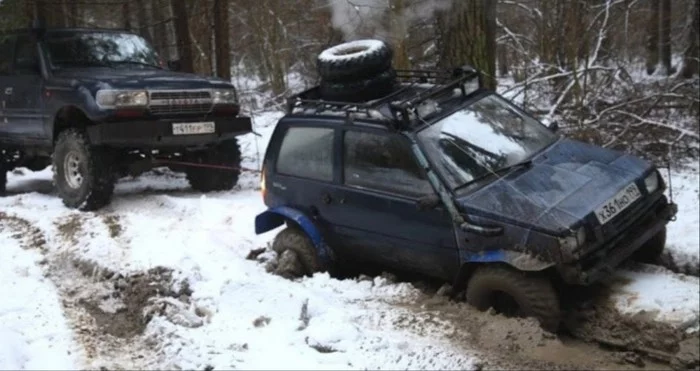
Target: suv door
374, 211
301, 168
24, 107
6, 56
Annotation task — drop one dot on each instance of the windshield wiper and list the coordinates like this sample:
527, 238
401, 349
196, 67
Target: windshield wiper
137, 62
524, 163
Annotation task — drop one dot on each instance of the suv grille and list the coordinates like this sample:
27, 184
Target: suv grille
180, 102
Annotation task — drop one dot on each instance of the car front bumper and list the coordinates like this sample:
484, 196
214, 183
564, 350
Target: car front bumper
592, 268
158, 134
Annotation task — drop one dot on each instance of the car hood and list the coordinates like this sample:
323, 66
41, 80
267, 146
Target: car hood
565, 183
131, 78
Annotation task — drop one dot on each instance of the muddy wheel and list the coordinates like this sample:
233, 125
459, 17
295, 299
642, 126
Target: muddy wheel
354, 60
203, 179
294, 240
651, 251
515, 294
82, 173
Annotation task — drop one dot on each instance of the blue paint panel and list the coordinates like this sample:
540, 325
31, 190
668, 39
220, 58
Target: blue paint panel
492, 256
274, 218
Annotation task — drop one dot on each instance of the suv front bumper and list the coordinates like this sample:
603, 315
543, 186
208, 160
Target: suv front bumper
592, 269
158, 134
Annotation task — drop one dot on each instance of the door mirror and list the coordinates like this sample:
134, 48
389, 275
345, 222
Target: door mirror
428, 202
554, 126
175, 65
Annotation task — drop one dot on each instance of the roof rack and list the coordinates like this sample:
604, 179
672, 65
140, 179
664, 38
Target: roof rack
400, 111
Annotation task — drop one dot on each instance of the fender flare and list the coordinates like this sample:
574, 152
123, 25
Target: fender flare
275, 217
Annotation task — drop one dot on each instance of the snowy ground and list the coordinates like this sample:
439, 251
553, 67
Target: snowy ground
62, 267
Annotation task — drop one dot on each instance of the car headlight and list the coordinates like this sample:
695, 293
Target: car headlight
121, 98
574, 241
224, 96
652, 182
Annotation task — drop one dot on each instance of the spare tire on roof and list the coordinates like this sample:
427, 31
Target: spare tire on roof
354, 60
359, 90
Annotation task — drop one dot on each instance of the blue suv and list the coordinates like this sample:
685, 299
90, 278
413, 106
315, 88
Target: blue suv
444, 178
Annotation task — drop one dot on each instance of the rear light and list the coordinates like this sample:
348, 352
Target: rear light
263, 189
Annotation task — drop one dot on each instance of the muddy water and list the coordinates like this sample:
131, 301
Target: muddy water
515, 343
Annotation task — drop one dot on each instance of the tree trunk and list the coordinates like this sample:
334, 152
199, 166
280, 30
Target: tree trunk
221, 40
160, 30
398, 34
142, 17
467, 36
666, 37
653, 36
691, 60
502, 60
126, 10
182, 33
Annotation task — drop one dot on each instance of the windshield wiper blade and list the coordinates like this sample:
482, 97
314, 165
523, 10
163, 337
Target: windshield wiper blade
525, 163
137, 62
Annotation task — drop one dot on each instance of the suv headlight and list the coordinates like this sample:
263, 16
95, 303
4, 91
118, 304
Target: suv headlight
574, 241
121, 98
224, 96
652, 182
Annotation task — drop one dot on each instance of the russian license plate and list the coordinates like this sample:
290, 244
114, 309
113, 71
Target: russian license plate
617, 204
193, 128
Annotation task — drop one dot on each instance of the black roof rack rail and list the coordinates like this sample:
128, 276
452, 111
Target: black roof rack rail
440, 82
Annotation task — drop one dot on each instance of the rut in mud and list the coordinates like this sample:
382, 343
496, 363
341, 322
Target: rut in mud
108, 311
594, 335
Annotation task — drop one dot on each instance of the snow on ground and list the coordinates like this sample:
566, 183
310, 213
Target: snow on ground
240, 316
33, 332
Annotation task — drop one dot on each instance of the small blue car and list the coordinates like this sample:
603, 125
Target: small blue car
444, 178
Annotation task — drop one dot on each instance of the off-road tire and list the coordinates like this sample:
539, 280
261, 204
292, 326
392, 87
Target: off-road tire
535, 295
651, 251
294, 239
202, 179
96, 164
367, 58
361, 89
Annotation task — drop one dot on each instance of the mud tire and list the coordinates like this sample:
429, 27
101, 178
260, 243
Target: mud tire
534, 295
651, 251
95, 164
361, 89
226, 153
354, 60
294, 239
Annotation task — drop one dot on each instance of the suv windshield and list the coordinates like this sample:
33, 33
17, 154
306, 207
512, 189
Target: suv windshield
76, 49
486, 136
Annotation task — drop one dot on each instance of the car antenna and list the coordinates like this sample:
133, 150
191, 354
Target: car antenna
668, 169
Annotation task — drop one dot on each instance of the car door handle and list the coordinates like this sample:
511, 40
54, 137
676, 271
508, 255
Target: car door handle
326, 198
8, 91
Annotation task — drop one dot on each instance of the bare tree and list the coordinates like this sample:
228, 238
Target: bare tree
653, 36
691, 60
221, 36
666, 37
182, 32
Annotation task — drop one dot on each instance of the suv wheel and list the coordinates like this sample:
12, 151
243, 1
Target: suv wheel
651, 251
82, 173
290, 244
515, 294
202, 179
360, 89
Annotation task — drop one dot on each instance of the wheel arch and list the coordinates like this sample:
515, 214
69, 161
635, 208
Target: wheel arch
69, 116
277, 216
516, 260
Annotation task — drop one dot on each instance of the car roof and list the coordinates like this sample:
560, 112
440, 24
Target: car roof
395, 111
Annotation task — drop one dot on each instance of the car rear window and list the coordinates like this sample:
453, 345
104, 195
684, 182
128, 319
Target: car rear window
307, 152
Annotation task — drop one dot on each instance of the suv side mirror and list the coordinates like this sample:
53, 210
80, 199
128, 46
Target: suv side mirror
554, 126
428, 202
175, 65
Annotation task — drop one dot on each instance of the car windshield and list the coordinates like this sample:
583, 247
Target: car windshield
109, 49
488, 135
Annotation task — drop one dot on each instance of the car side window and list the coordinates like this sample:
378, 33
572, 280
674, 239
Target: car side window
382, 162
6, 45
307, 152
26, 56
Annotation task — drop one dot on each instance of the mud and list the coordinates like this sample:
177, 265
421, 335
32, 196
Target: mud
691, 268
113, 225
30, 236
70, 228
